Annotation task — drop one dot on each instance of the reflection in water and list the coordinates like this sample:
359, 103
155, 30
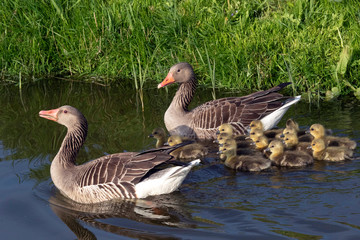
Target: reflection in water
165, 210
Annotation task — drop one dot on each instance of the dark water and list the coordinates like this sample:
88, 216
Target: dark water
318, 202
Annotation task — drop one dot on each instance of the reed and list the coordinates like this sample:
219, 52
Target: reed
139, 40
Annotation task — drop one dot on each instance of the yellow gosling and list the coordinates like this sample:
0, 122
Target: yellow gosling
318, 131
261, 143
291, 142
283, 158
334, 154
190, 151
249, 163
160, 135
229, 130
271, 134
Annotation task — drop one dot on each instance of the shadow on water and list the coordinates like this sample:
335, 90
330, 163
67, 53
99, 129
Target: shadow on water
136, 219
214, 202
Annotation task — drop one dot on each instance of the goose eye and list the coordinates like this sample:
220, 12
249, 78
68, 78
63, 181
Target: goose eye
178, 70
155, 132
286, 139
65, 111
311, 129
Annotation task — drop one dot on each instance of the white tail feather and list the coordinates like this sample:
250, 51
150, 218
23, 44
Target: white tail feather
271, 120
164, 181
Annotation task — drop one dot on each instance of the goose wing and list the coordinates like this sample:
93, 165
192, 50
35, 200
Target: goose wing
117, 174
238, 111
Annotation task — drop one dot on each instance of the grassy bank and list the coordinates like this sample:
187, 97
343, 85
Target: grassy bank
250, 44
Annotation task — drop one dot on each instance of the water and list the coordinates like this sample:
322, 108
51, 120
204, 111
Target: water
316, 202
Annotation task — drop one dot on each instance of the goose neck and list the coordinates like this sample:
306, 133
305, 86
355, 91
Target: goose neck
71, 145
185, 94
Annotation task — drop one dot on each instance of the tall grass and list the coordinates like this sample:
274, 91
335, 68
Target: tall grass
254, 43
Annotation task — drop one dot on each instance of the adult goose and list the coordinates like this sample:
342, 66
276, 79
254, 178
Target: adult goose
202, 122
119, 175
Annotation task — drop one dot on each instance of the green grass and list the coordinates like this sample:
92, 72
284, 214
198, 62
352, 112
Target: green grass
249, 44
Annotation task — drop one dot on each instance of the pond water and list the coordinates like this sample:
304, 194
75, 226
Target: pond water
317, 202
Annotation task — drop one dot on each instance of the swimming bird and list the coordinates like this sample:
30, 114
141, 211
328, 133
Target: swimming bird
241, 141
250, 163
271, 133
261, 143
160, 135
119, 175
291, 142
202, 122
190, 151
255, 134
283, 158
318, 131
301, 134
334, 154
228, 129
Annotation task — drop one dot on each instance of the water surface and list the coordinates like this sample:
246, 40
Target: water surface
316, 202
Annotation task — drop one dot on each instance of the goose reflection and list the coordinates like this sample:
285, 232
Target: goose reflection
116, 216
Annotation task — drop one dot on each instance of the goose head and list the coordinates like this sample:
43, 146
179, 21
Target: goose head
222, 137
256, 124
288, 130
318, 145
255, 134
228, 148
275, 147
181, 73
174, 139
317, 130
225, 128
292, 124
262, 142
65, 115
158, 133
290, 140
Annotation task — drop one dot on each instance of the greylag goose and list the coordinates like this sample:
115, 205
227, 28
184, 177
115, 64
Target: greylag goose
160, 135
283, 158
291, 142
248, 163
261, 143
119, 175
271, 133
241, 142
302, 135
190, 151
202, 121
334, 154
228, 129
318, 131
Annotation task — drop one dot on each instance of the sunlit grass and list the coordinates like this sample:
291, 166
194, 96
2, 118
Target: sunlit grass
254, 44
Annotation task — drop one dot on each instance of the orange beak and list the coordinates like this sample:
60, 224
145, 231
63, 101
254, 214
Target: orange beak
168, 80
49, 114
